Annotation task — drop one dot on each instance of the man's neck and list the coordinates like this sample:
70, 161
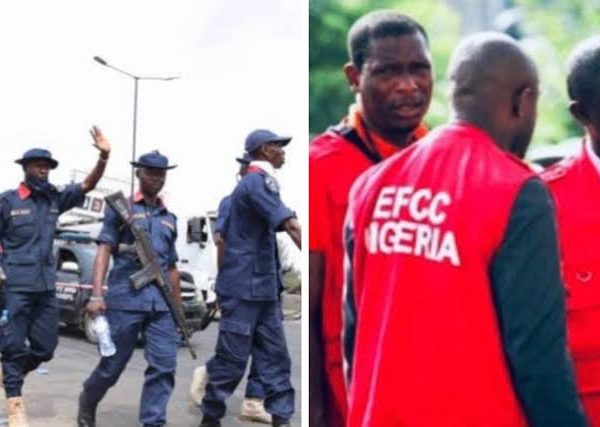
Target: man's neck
400, 138
151, 200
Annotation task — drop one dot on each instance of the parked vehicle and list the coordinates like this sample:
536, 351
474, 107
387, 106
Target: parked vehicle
75, 252
198, 258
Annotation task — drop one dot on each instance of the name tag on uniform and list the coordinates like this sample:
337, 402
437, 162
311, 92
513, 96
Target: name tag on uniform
167, 224
53, 210
139, 216
17, 212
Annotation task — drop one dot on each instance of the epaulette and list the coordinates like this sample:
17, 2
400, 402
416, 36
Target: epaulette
557, 170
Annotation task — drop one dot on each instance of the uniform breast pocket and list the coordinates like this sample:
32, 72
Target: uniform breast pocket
582, 281
23, 226
264, 264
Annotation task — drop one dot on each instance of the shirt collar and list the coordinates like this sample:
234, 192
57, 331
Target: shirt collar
23, 191
594, 159
264, 165
138, 197
375, 141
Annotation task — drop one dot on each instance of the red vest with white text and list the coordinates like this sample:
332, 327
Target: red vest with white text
575, 186
427, 223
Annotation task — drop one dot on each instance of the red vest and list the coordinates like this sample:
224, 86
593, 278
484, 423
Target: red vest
575, 185
334, 165
427, 223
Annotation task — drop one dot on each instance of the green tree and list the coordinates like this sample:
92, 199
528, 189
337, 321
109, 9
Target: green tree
552, 29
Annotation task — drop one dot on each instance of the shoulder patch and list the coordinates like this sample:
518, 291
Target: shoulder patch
271, 184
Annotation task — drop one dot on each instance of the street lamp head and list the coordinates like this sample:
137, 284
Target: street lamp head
100, 60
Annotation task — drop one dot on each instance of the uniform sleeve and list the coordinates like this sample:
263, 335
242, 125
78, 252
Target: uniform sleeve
530, 302
173, 257
110, 228
3, 225
318, 211
223, 214
267, 202
71, 196
349, 331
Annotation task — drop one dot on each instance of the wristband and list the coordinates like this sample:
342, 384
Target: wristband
95, 298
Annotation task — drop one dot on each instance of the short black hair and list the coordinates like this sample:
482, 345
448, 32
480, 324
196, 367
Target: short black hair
376, 25
583, 72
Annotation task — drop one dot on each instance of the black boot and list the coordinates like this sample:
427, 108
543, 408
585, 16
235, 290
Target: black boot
279, 422
86, 414
210, 422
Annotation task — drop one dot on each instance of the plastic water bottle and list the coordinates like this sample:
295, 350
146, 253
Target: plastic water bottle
106, 346
4, 317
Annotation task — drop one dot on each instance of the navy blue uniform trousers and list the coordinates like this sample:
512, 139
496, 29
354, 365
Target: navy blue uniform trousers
160, 351
250, 328
33, 316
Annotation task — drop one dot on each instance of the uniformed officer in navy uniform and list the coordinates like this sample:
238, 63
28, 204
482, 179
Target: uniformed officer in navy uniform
249, 285
28, 218
252, 408
225, 206
129, 311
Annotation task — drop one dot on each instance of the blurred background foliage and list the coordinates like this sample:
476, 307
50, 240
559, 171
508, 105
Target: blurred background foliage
547, 29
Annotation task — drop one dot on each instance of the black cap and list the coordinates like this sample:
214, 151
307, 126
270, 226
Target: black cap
153, 160
259, 137
37, 154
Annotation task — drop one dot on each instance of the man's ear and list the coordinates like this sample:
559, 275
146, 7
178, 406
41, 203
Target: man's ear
264, 149
579, 113
523, 101
352, 76
137, 173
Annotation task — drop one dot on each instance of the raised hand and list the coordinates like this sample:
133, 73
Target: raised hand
100, 141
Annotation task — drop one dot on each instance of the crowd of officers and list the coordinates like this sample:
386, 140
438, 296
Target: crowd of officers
248, 286
451, 285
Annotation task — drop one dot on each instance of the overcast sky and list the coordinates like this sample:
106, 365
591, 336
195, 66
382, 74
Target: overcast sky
243, 65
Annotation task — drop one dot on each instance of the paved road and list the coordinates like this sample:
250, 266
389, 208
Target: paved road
51, 392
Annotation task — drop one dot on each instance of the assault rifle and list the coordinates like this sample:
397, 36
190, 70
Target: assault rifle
151, 272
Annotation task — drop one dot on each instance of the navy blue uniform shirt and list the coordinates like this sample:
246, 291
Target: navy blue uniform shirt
161, 226
251, 268
223, 214
27, 226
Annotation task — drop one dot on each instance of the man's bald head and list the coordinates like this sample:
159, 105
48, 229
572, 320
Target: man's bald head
494, 86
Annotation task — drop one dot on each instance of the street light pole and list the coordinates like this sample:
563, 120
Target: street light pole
136, 80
